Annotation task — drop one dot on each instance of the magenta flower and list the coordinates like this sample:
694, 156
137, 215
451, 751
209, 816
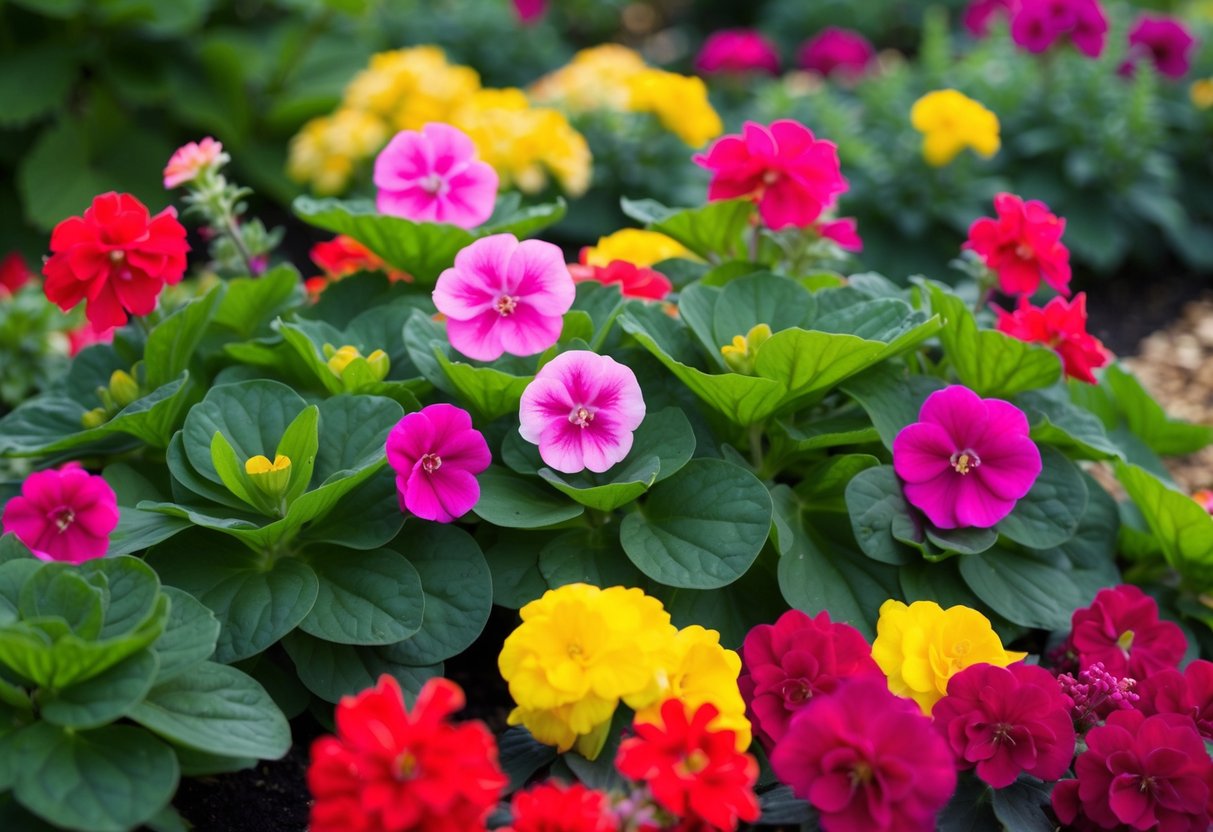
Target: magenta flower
980, 14
1007, 720
736, 52
867, 759
1038, 24
967, 460
844, 232
190, 160
789, 172
63, 514
581, 410
1189, 693
1165, 42
434, 176
436, 454
1121, 628
505, 296
837, 51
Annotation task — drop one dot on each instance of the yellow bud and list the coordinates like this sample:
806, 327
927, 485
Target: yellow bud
94, 418
379, 363
123, 389
741, 354
1202, 93
340, 359
270, 477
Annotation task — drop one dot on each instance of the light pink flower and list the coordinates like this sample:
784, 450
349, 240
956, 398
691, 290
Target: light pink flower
581, 410
63, 514
967, 460
436, 454
190, 160
434, 176
505, 296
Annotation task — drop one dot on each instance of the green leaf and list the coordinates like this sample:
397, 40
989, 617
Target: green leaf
35, 81
300, 444
230, 469
57, 591
368, 598
1025, 806
591, 556
1149, 421
366, 518
1182, 526
488, 391
219, 710
1049, 515
667, 435
251, 415
823, 485
890, 397
880, 516
513, 501
522, 755
172, 342
701, 528
103, 698
629, 482
1075, 431
509, 218
189, 637
107, 780
711, 231
250, 303
732, 611
808, 363
1028, 588
763, 298
831, 432
133, 593
514, 563
332, 671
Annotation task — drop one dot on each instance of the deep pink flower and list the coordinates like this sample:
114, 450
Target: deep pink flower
505, 296
1022, 245
981, 13
844, 232
834, 50
788, 663
866, 759
1164, 41
13, 273
86, 335
190, 160
1037, 24
1007, 720
1121, 628
530, 11
1189, 693
64, 514
434, 176
581, 410
1060, 325
737, 51
967, 460
1094, 693
436, 454
1144, 772
790, 173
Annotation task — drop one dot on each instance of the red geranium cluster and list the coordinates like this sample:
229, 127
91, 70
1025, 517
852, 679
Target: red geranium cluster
1061, 325
637, 282
343, 256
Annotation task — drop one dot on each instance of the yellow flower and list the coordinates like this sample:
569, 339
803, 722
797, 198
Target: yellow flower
636, 246
325, 151
411, 87
339, 361
922, 646
680, 103
741, 354
595, 79
697, 669
270, 477
1201, 93
949, 122
578, 651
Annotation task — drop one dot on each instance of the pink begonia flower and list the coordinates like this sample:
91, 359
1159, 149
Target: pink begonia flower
737, 51
1164, 41
838, 51
505, 296
844, 232
581, 410
967, 460
789, 172
64, 514
434, 176
436, 454
190, 160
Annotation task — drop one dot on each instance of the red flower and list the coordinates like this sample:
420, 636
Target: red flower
116, 257
1144, 772
1062, 326
834, 50
695, 773
13, 273
1022, 245
867, 759
789, 172
789, 662
639, 282
391, 771
86, 335
1189, 693
551, 807
1121, 628
1007, 720
343, 256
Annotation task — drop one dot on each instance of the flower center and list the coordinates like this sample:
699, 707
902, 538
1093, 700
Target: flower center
506, 305
63, 518
861, 775
574, 650
796, 692
117, 256
1125, 642
430, 463
431, 184
406, 766
961, 648
770, 178
1002, 733
965, 461
581, 416
1024, 251
695, 762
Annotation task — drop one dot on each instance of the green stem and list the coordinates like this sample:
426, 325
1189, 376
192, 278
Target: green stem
233, 231
756, 446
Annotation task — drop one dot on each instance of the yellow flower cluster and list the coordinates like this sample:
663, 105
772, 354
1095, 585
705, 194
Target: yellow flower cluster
408, 88
921, 646
949, 122
581, 650
636, 246
613, 77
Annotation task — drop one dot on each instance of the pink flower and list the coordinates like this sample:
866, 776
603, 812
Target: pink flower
86, 335
1062, 326
434, 176
436, 454
1189, 693
1121, 628
1144, 772
867, 759
1022, 245
190, 160
1038, 24
1164, 41
980, 13
581, 410
63, 514
844, 232
967, 460
1007, 720
788, 663
791, 174
530, 11
737, 51
505, 296
834, 50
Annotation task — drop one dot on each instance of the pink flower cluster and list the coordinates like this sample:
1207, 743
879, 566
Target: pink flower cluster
831, 52
1164, 42
1037, 25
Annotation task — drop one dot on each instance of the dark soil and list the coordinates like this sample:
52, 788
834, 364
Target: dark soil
1124, 309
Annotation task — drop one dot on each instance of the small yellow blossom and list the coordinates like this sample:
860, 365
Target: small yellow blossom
1201, 93
327, 149
680, 103
408, 88
921, 646
636, 246
949, 122
742, 353
271, 478
595, 79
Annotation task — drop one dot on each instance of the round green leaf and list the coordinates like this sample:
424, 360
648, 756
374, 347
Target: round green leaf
701, 528
57, 591
103, 698
1049, 515
779, 302
880, 516
353, 432
629, 483
365, 598
252, 415
591, 556
1029, 588
332, 671
512, 501
366, 518
133, 592
189, 637
514, 563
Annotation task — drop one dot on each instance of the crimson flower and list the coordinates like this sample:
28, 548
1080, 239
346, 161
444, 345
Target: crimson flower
1007, 720
552, 807
1145, 772
13, 273
343, 256
1189, 693
116, 257
1062, 326
1164, 41
1121, 628
789, 662
1022, 245
388, 770
696, 773
637, 282
86, 335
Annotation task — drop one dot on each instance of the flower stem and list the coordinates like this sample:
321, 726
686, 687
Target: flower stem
756, 446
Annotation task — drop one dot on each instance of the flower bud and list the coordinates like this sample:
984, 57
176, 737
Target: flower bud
123, 388
743, 352
271, 478
339, 360
94, 418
